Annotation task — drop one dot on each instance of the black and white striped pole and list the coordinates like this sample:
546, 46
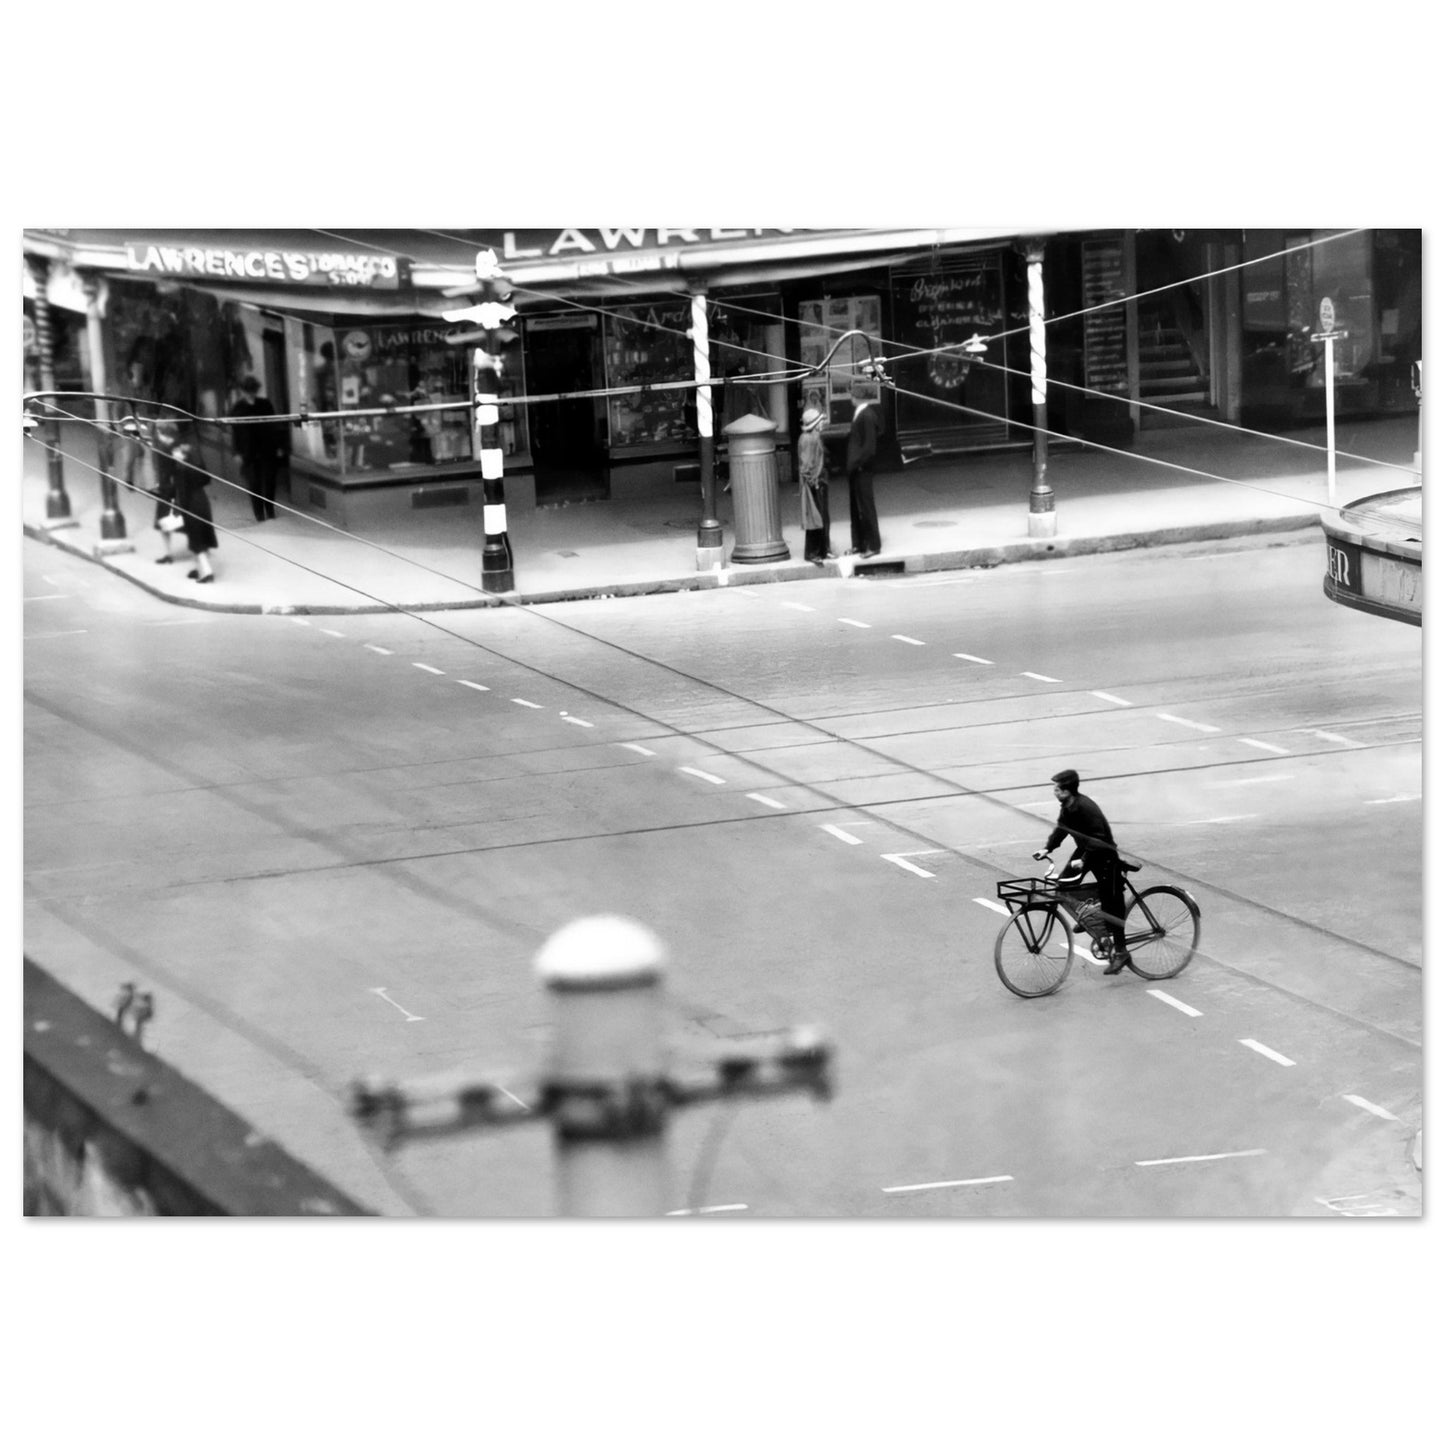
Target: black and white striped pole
1043, 519
57, 499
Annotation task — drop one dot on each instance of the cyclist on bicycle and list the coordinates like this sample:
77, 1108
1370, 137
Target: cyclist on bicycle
1095, 851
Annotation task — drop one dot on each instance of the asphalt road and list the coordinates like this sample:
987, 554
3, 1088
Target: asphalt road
333, 847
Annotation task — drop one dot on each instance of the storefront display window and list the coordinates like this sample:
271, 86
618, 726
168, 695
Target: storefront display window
820, 324
649, 344
357, 368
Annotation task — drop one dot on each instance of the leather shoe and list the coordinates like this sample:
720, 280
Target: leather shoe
164, 561
210, 577
1119, 962
872, 553
193, 575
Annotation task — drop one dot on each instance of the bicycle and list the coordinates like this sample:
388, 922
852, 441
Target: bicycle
1035, 948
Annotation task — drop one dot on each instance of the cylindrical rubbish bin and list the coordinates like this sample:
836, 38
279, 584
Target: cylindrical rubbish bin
753, 467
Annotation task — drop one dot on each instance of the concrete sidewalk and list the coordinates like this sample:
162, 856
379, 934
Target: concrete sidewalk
1180, 484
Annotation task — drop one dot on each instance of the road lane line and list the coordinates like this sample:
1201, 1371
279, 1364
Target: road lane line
299, 621
800, 606
1174, 1003
48, 597
1370, 1108
1039, 677
581, 723
1400, 798
707, 1209
1184, 722
969, 657
372, 647
1332, 737
994, 904
479, 687
522, 702
638, 748
853, 622
1269, 1053
1268, 747
411, 1018
426, 667
763, 798
946, 1184
1200, 1158
706, 777
332, 632
178, 622
1109, 697
903, 862
1249, 782
1195, 822
839, 833
912, 641
41, 636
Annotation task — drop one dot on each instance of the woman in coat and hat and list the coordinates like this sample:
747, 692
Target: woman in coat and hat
813, 488
195, 508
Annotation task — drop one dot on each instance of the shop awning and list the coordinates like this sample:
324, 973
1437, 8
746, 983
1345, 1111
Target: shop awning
343, 301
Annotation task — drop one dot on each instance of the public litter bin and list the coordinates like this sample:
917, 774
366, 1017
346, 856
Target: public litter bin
753, 467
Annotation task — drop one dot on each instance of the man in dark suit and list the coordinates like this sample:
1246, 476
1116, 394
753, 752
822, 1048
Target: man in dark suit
261, 447
863, 438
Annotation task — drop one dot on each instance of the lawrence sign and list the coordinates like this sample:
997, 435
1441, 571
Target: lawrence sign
295, 268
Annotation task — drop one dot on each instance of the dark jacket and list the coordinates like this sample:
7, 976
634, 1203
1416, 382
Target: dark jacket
863, 438
259, 442
1084, 822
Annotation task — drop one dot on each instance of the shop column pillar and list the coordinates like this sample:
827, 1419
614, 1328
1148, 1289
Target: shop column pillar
57, 500
112, 522
709, 529
1043, 520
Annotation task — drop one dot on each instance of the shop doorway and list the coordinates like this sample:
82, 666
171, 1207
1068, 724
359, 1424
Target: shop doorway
1178, 331
569, 437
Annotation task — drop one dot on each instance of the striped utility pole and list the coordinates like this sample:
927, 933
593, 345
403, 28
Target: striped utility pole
1043, 520
112, 520
492, 313
709, 529
57, 499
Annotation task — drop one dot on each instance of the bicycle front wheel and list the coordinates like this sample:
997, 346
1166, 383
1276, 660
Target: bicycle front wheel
1033, 951
1162, 930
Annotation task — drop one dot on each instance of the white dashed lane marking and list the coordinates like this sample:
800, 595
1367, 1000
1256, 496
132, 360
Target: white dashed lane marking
767, 801
969, 657
707, 1209
1174, 1003
1184, 722
425, 667
800, 607
638, 748
475, 686
42, 636
1268, 1053
1109, 697
912, 641
1039, 677
706, 777
1332, 737
372, 647
1370, 1108
1250, 781
1200, 1158
839, 833
946, 1184
1400, 798
1268, 747
522, 702
49, 597
332, 632
901, 859
853, 622
990, 903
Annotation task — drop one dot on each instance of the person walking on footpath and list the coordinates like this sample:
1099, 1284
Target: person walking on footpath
863, 438
813, 488
194, 505
259, 447
168, 520
1095, 851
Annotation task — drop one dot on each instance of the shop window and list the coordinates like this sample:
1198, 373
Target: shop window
650, 344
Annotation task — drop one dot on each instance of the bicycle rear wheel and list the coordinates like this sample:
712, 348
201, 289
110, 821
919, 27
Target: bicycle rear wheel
1033, 951
1162, 930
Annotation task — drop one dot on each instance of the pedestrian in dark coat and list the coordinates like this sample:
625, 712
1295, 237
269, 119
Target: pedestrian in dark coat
813, 488
863, 439
168, 520
260, 446
194, 505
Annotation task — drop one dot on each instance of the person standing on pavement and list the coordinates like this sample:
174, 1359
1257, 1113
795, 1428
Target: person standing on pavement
194, 505
813, 488
259, 447
1095, 851
863, 438
168, 520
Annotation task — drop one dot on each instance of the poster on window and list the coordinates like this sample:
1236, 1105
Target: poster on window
821, 325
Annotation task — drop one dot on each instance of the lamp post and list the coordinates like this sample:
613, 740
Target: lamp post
112, 522
1043, 520
57, 500
709, 529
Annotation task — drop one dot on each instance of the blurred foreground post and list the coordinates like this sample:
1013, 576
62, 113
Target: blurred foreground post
610, 1083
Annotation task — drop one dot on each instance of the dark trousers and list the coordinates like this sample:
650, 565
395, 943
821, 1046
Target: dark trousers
1105, 868
260, 478
815, 539
862, 511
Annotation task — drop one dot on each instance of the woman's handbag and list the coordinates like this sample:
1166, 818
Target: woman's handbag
171, 522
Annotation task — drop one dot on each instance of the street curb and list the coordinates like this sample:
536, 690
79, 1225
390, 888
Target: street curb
1033, 550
